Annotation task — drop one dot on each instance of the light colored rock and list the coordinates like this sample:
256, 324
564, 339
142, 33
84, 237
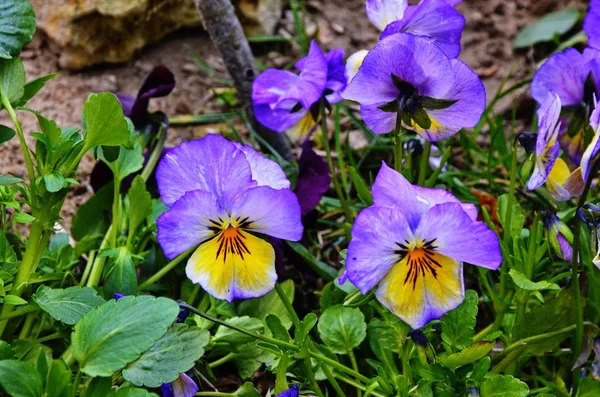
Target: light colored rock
88, 32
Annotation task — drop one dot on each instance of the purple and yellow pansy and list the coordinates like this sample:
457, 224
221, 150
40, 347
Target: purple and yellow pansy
223, 197
411, 245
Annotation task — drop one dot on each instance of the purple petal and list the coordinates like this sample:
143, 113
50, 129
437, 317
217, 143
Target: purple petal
312, 80
212, 164
159, 82
127, 102
548, 123
411, 58
434, 20
392, 190
591, 24
293, 391
336, 75
543, 166
272, 212
459, 237
188, 222
184, 386
372, 252
313, 178
469, 92
594, 146
264, 171
377, 120
566, 250
383, 12
564, 73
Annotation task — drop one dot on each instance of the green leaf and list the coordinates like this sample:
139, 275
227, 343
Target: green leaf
7, 253
89, 219
120, 275
132, 392
504, 386
383, 341
364, 194
104, 121
248, 360
67, 305
458, 325
589, 388
524, 283
547, 28
22, 217
247, 390
128, 162
14, 300
6, 351
20, 379
110, 336
517, 219
269, 304
469, 355
140, 204
6, 134
175, 352
9, 180
12, 78
342, 328
233, 337
17, 26
55, 182
58, 381
33, 87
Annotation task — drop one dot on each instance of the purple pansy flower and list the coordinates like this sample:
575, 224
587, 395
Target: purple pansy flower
159, 82
411, 243
435, 20
436, 95
560, 236
593, 148
591, 24
547, 146
220, 194
184, 386
284, 101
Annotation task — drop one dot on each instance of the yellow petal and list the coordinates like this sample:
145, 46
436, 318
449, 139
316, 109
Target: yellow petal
234, 264
303, 127
422, 287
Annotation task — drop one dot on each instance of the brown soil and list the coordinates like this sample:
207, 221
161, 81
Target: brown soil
491, 26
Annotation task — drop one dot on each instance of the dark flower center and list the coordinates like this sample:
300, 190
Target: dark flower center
410, 105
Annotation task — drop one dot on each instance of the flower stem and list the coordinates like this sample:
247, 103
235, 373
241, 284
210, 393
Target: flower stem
156, 153
398, 146
24, 148
98, 264
334, 179
168, 267
222, 360
297, 326
354, 367
424, 163
299, 25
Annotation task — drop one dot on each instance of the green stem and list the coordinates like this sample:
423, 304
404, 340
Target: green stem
24, 148
77, 382
156, 153
27, 325
483, 333
98, 265
116, 212
354, 367
297, 326
424, 165
222, 360
336, 386
56, 335
398, 144
88, 268
334, 179
433, 178
338, 149
168, 267
355, 384
299, 25
19, 312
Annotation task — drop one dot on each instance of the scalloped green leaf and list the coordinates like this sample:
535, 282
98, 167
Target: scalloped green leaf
342, 328
110, 336
67, 305
504, 386
17, 26
547, 28
174, 353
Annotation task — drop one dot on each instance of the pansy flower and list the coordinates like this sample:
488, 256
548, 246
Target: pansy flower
560, 236
591, 24
575, 78
284, 101
590, 214
183, 386
435, 20
411, 245
293, 391
435, 95
223, 196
